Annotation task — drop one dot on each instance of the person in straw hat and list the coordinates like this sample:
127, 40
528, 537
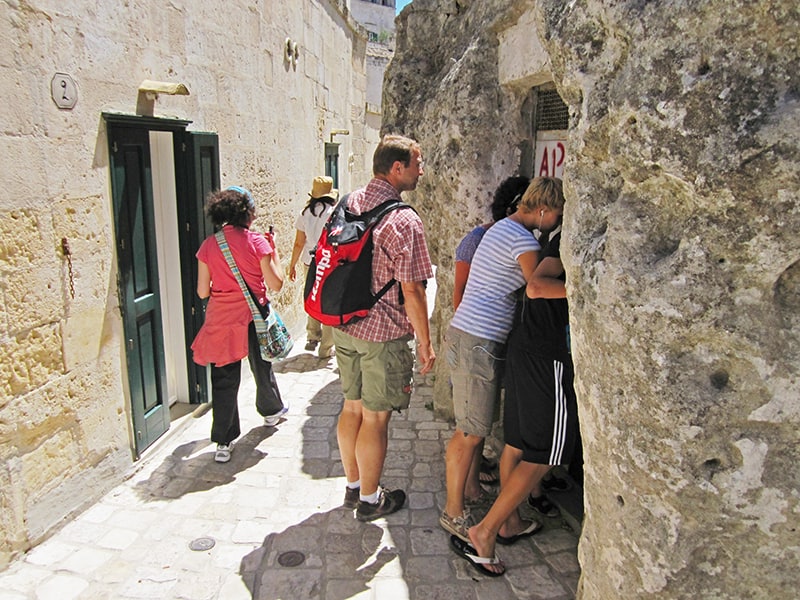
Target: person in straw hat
309, 226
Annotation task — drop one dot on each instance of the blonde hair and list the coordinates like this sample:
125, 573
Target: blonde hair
543, 191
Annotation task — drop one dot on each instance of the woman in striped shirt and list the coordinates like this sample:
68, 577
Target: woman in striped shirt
476, 339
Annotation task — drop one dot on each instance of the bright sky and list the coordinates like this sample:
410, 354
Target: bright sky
400, 5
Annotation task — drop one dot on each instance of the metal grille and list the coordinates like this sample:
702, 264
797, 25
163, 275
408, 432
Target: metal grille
551, 112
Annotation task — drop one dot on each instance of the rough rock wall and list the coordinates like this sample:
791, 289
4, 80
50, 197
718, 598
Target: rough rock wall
446, 95
683, 266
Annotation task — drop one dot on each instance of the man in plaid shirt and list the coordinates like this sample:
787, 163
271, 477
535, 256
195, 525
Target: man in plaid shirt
374, 354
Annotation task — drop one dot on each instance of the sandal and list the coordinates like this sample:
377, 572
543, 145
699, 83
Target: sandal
488, 464
456, 526
467, 552
534, 527
488, 471
488, 477
543, 506
556, 484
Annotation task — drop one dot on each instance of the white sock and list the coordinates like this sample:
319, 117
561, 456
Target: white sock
371, 499
354, 485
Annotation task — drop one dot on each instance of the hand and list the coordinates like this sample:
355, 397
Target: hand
292, 273
270, 237
426, 357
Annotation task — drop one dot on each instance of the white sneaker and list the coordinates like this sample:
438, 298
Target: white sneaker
272, 420
223, 453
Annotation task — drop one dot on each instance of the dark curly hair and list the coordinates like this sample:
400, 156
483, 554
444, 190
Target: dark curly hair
230, 206
313, 203
507, 196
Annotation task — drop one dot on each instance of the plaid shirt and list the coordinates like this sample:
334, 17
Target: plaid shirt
400, 252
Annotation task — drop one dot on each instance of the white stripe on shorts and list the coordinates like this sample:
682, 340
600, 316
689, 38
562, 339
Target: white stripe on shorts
560, 418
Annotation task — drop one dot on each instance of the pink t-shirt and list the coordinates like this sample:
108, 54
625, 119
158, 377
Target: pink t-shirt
223, 337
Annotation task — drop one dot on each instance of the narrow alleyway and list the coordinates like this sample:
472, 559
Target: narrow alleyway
269, 524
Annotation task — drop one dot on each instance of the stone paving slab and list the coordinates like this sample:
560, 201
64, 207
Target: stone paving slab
277, 503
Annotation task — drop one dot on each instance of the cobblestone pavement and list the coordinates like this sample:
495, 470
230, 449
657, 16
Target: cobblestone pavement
274, 516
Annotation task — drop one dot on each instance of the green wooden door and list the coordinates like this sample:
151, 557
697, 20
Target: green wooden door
197, 174
132, 192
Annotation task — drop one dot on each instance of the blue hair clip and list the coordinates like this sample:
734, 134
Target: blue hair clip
244, 191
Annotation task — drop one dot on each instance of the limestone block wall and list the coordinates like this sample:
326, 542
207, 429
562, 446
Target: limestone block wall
64, 414
681, 253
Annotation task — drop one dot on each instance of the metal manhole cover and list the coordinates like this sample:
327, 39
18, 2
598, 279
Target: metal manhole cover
292, 558
202, 543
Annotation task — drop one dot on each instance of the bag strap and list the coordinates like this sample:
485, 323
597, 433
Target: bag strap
371, 217
258, 320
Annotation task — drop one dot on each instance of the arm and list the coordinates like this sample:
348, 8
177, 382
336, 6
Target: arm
460, 282
272, 272
299, 243
528, 261
545, 282
271, 268
203, 280
416, 306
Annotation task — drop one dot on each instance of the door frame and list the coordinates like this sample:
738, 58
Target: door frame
188, 207
197, 173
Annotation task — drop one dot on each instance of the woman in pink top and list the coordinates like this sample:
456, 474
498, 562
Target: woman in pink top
228, 333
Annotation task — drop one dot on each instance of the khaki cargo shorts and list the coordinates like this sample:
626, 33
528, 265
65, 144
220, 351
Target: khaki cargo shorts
476, 369
377, 373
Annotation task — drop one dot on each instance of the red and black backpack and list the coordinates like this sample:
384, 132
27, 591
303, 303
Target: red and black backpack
338, 287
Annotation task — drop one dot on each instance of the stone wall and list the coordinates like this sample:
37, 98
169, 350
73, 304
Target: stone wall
64, 414
682, 257
472, 131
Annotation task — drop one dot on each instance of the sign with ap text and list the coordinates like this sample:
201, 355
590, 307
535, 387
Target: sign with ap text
551, 152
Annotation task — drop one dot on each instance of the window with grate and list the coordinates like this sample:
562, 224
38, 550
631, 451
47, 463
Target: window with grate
551, 112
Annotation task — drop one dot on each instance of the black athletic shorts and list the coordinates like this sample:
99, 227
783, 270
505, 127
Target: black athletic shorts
541, 413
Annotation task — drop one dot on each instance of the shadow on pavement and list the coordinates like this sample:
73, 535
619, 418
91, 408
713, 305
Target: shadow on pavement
339, 555
191, 467
321, 457
301, 363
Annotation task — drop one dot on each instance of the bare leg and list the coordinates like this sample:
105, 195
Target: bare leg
461, 452
370, 448
347, 433
536, 490
504, 517
472, 489
509, 459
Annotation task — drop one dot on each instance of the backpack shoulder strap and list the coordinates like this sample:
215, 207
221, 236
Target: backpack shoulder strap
371, 217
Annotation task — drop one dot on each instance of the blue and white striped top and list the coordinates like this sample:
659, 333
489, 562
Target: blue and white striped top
487, 309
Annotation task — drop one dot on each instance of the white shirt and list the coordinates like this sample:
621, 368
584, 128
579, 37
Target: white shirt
312, 226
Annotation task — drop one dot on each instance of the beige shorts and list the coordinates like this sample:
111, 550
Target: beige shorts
476, 368
377, 373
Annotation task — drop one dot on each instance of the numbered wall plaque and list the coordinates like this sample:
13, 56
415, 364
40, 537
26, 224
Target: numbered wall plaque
64, 91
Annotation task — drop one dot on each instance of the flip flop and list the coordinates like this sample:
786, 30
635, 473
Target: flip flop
488, 477
466, 551
488, 464
534, 527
